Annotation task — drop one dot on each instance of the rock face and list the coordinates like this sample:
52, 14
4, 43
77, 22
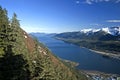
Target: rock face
24, 58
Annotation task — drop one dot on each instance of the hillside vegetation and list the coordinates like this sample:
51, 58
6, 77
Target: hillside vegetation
24, 58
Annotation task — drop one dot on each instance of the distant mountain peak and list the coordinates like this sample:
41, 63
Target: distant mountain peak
89, 30
109, 30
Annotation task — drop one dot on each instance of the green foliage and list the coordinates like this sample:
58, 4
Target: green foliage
13, 67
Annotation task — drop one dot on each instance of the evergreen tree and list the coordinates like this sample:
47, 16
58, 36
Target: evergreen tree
15, 22
4, 23
7, 32
12, 66
13, 29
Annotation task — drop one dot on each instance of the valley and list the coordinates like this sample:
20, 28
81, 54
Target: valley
101, 41
90, 63
23, 57
107, 48
60, 40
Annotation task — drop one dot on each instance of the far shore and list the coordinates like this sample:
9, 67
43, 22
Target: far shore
107, 54
116, 56
92, 73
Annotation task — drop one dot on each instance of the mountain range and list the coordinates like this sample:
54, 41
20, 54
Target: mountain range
103, 34
108, 30
104, 39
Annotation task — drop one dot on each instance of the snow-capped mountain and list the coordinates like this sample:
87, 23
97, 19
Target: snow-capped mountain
103, 34
108, 30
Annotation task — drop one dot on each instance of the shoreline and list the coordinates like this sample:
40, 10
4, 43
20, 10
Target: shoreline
107, 54
97, 75
111, 55
93, 72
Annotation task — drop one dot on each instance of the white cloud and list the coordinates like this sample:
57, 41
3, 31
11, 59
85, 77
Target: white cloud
88, 1
106, 0
95, 24
77, 2
98, 1
113, 21
118, 1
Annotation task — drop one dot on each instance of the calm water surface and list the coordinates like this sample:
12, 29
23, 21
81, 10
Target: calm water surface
87, 60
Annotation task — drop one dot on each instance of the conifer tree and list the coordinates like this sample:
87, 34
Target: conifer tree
12, 66
15, 22
7, 31
14, 25
4, 23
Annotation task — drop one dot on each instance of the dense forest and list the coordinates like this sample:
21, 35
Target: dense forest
24, 58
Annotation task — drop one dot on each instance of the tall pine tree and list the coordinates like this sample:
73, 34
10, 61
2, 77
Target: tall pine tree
4, 23
12, 66
7, 30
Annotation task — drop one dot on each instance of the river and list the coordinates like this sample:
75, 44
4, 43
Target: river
87, 59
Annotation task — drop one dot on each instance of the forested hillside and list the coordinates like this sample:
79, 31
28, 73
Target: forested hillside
24, 58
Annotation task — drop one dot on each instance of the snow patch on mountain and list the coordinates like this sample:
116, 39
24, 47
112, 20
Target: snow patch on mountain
109, 30
89, 30
85, 30
106, 30
115, 30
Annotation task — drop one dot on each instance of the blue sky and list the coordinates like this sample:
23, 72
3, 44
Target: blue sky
55, 16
